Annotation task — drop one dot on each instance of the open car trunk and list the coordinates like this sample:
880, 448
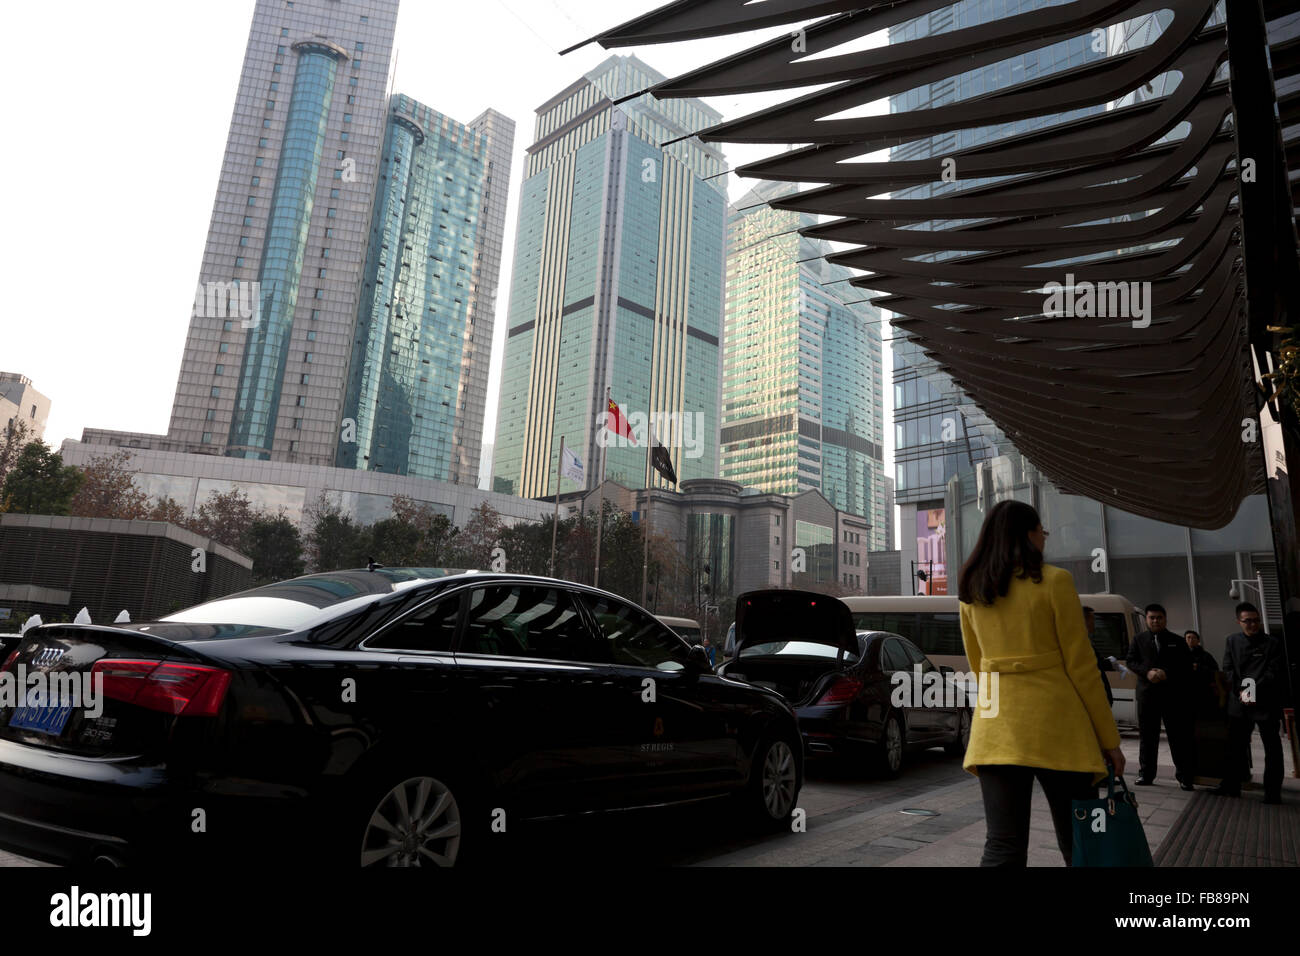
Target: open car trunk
794, 642
800, 680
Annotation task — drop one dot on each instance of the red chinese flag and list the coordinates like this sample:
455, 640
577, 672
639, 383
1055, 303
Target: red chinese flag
618, 424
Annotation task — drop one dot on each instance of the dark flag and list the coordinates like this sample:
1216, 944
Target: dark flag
660, 460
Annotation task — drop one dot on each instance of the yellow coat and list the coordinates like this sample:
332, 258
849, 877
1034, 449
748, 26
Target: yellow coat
1050, 709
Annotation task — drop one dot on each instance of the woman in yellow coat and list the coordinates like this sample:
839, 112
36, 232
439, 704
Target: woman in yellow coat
1047, 716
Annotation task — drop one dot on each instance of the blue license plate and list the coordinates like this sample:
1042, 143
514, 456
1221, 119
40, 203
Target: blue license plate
44, 719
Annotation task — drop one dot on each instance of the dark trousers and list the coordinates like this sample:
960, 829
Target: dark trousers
1238, 763
1008, 793
1154, 706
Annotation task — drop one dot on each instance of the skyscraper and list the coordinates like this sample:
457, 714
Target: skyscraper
802, 405
617, 282
418, 378
270, 333
289, 221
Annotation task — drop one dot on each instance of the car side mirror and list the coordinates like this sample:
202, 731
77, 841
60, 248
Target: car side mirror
699, 657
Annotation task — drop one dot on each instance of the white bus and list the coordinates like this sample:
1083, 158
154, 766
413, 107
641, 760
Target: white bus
684, 626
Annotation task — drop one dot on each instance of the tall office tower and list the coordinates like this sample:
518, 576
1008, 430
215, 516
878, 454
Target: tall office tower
617, 282
267, 352
417, 382
801, 396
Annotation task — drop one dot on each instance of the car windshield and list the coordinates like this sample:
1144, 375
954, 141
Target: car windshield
795, 649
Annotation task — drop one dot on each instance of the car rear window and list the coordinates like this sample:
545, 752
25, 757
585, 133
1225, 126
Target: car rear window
795, 649
302, 602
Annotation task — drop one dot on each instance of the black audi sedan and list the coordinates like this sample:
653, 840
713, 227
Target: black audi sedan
864, 696
391, 717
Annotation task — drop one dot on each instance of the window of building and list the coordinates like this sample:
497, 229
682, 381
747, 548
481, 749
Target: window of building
215, 392
224, 347
212, 414
311, 336
207, 438
227, 326
220, 370
302, 400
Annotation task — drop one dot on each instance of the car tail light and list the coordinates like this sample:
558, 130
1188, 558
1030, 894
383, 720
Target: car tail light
189, 690
9, 661
841, 691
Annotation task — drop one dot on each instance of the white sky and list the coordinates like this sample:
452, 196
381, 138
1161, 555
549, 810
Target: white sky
116, 124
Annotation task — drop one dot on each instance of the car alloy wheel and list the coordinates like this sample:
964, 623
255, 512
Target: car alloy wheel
893, 745
778, 780
417, 823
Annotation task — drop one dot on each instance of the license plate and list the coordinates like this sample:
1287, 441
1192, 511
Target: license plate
48, 718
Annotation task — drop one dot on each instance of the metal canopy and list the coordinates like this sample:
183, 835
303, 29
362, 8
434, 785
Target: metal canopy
1144, 412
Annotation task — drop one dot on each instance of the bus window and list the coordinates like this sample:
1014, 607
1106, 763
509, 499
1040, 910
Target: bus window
940, 634
1110, 639
691, 634
902, 623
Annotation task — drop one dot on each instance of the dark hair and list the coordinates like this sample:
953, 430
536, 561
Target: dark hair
1158, 608
1002, 550
1245, 606
1087, 610
1193, 633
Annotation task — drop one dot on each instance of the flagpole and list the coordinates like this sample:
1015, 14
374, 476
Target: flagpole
645, 547
600, 521
555, 525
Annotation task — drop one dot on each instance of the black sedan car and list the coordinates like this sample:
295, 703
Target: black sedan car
862, 695
388, 717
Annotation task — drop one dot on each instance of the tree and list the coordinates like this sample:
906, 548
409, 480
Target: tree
108, 490
275, 547
333, 540
226, 518
12, 441
476, 541
39, 482
434, 533
169, 510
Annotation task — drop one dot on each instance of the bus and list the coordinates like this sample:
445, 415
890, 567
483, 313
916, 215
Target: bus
684, 627
933, 623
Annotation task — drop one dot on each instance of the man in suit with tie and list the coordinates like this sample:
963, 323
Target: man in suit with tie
1162, 663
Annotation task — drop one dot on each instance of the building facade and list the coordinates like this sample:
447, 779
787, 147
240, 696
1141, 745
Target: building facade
20, 402
802, 406
617, 283
416, 388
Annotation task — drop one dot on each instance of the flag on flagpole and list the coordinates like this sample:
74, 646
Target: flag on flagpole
570, 464
617, 422
660, 459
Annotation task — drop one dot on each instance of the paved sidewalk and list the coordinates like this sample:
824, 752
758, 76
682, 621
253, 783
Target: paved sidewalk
879, 833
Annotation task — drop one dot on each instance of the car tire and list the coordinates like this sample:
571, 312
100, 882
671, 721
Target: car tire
412, 817
887, 757
772, 790
957, 747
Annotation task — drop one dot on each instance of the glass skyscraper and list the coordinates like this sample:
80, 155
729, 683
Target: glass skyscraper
801, 395
425, 317
617, 282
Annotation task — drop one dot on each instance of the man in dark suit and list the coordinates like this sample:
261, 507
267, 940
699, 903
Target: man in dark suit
1162, 663
1256, 672
1204, 669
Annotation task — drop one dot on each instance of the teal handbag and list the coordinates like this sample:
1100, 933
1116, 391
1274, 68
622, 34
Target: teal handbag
1108, 832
